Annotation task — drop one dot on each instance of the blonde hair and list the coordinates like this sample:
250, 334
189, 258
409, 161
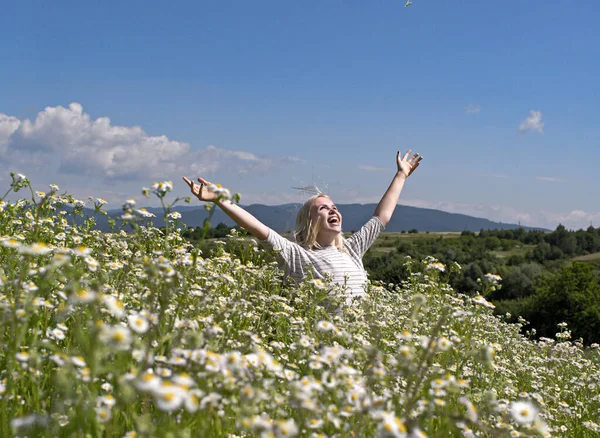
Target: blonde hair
306, 231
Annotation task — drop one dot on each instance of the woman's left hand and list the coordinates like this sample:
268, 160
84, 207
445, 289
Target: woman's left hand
408, 165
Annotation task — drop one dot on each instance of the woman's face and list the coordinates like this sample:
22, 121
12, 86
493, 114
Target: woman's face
325, 209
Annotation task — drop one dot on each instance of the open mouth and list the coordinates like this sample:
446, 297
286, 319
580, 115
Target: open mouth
333, 220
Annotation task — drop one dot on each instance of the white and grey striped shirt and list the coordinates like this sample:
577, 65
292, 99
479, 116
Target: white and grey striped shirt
329, 260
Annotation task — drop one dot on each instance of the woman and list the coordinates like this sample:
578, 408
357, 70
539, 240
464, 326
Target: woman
319, 244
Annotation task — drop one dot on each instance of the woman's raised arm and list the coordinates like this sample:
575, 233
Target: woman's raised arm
204, 192
388, 202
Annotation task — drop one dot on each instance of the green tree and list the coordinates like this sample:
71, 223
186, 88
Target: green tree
518, 282
571, 295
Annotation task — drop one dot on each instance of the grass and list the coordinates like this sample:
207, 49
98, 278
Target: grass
520, 250
588, 257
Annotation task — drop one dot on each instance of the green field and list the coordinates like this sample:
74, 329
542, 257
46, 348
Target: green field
387, 242
520, 250
588, 257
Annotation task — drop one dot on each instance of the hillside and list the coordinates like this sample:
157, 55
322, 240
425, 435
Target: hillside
281, 218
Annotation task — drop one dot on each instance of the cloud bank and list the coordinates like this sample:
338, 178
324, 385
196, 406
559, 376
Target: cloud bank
574, 219
80, 145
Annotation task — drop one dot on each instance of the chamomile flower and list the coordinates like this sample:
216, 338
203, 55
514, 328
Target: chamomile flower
129, 204
493, 278
162, 188
114, 306
148, 381
169, 397
78, 361
107, 400
437, 266
471, 411
138, 323
81, 251
286, 428
116, 336
192, 400
144, 213
22, 356
36, 249
58, 334
11, 242
103, 414
483, 302
392, 426
325, 326
83, 296
523, 412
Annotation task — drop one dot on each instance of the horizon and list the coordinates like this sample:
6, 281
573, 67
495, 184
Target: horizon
188, 207
263, 97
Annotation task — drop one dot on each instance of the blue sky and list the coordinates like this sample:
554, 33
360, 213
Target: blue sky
103, 98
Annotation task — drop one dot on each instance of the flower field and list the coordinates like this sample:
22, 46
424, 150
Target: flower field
138, 334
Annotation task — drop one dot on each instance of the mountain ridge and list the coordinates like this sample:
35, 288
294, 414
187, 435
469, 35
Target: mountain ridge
281, 218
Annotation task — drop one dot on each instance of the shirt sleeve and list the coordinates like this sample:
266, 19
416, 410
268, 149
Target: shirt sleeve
362, 240
293, 255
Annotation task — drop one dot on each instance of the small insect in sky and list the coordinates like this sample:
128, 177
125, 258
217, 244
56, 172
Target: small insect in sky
408, 3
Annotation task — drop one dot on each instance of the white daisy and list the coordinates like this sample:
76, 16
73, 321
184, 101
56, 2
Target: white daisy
138, 323
523, 412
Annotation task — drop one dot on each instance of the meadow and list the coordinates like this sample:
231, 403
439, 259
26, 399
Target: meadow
138, 333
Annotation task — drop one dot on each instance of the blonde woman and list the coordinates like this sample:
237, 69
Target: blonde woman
319, 243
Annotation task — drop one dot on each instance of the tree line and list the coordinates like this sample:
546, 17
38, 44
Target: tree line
540, 280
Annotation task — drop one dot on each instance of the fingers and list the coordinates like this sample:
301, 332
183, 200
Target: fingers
415, 161
196, 189
415, 165
200, 179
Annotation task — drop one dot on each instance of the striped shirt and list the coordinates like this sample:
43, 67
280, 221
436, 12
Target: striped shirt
345, 269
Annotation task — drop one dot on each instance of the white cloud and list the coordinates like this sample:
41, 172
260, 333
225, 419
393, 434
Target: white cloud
8, 125
246, 162
472, 109
95, 147
549, 179
80, 145
533, 122
373, 168
575, 219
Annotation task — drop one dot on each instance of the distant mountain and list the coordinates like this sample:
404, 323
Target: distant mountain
282, 218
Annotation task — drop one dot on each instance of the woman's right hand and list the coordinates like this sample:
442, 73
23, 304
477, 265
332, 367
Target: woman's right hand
203, 190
